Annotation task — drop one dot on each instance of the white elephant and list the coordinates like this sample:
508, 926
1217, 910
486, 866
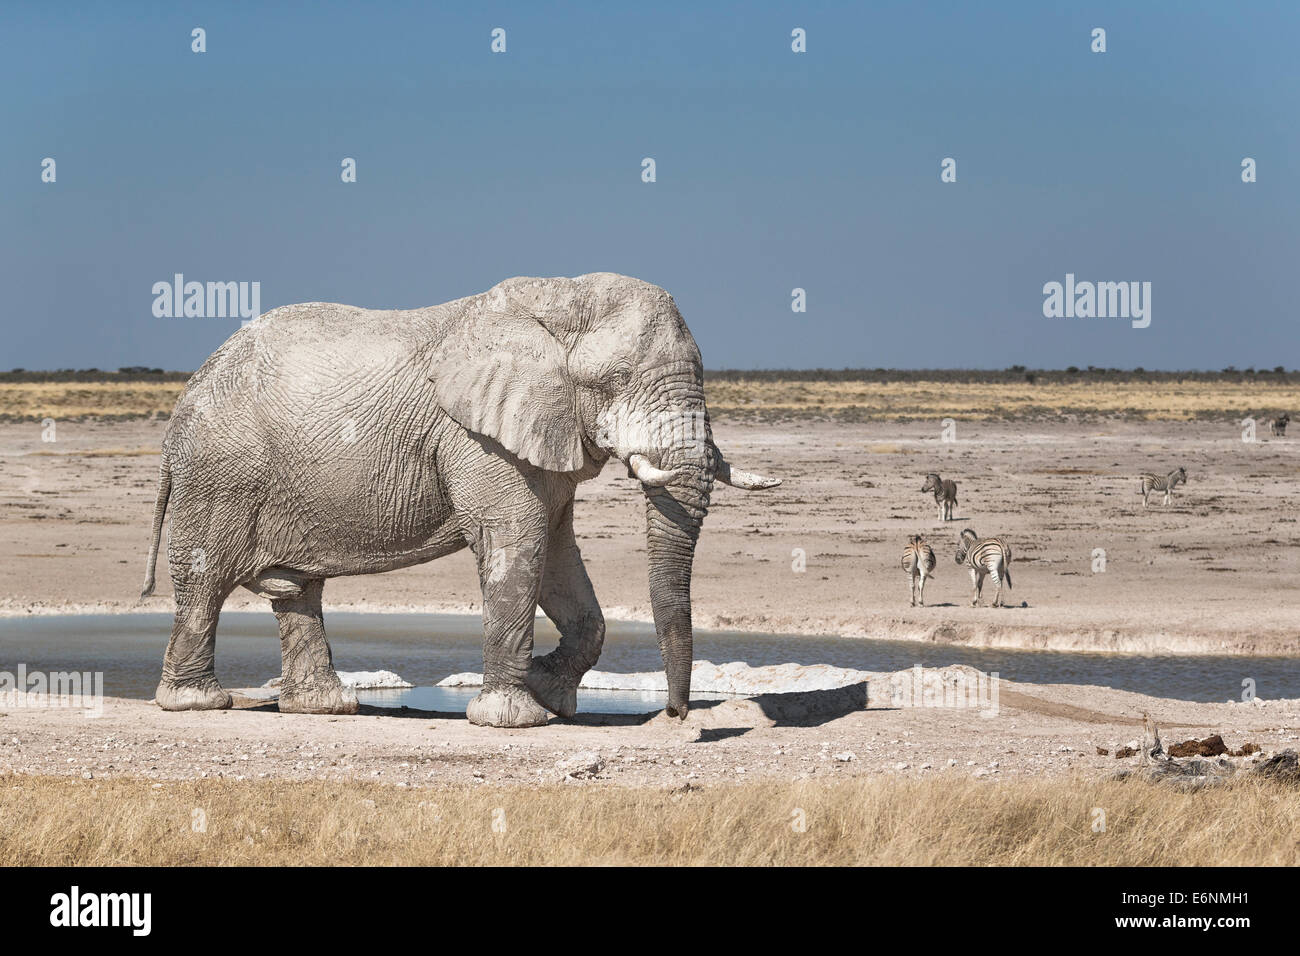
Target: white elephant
325, 440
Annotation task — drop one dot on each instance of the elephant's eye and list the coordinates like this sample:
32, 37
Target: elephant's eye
619, 376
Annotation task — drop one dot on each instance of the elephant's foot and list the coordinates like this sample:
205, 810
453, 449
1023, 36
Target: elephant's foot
505, 707
208, 695
323, 696
556, 693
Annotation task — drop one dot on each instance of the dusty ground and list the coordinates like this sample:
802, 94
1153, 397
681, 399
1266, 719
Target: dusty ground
1038, 730
1217, 572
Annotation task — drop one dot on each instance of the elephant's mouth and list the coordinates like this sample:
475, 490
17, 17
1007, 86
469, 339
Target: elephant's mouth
596, 455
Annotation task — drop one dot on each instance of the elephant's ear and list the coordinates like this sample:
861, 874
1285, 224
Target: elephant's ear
501, 373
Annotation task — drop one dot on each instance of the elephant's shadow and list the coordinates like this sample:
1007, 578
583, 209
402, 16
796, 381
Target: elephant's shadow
722, 718
735, 716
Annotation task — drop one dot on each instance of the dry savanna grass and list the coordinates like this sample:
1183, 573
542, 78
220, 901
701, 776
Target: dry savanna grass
870, 401
65, 400
767, 399
64, 820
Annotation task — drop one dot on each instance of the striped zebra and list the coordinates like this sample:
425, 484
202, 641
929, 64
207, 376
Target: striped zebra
1166, 483
984, 556
1277, 426
919, 563
945, 494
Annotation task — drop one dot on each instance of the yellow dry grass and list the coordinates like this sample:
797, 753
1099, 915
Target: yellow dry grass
864, 401
1165, 401
63, 400
61, 820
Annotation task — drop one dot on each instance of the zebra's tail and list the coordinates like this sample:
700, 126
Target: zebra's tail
1006, 568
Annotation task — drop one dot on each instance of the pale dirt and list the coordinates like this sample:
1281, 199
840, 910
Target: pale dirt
1217, 572
1038, 730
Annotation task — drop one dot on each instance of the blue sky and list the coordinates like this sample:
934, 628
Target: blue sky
775, 170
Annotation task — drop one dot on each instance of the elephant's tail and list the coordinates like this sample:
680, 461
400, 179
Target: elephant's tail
159, 512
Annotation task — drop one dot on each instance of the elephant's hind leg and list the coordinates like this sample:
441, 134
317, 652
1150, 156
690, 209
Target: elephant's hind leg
570, 602
309, 684
510, 564
189, 677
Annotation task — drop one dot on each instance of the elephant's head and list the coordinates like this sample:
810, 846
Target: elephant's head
567, 373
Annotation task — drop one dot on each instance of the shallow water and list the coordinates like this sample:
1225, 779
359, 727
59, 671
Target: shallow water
454, 700
425, 648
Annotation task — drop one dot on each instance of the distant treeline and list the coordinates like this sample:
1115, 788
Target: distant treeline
132, 373
1016, 373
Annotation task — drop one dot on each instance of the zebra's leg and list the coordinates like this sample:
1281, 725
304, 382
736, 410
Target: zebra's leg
997, 582
922, 598
912, 584
976, 580
1146, 495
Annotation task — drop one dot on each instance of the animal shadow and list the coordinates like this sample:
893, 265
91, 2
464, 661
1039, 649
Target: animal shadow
812, 708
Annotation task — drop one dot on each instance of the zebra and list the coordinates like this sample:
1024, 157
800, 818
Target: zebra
1166, 483
1277, 426
984, 556
919, 563
945, 494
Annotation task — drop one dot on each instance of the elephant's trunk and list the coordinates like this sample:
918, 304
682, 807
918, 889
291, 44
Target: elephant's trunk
673, 516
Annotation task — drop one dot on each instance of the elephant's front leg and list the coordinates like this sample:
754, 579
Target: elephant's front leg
309, 684
510, 564
570, 602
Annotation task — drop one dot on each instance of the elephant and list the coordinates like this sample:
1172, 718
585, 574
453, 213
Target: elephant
323, 440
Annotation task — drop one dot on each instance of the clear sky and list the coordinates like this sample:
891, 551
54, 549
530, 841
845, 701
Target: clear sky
775, 170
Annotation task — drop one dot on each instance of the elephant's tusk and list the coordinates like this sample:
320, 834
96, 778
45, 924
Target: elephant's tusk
723, 472
640, 468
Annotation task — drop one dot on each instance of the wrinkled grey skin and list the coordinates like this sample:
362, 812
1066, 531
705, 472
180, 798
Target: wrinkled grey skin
325, 440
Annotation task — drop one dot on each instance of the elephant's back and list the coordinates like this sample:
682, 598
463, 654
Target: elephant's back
297, 359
